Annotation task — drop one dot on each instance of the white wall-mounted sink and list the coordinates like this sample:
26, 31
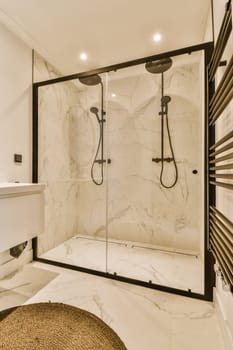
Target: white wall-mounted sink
21, 213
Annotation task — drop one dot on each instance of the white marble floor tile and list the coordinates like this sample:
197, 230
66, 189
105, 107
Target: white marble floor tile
130, 260
143, 318
195, 325
193, 334
18, 287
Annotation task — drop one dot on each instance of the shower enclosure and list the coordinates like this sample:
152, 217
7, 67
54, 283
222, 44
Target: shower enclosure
122, 153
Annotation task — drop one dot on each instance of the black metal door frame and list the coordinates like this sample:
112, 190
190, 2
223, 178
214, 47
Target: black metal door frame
209, 193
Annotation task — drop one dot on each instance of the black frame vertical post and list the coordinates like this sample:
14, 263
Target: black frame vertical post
210, 190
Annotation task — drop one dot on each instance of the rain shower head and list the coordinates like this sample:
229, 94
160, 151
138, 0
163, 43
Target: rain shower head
91, 80
160, 66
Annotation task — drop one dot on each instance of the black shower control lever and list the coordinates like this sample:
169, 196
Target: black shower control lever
157, 160
102, 161
164, 112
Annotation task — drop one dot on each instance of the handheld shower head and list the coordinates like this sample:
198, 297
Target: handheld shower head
95, 111
166, 99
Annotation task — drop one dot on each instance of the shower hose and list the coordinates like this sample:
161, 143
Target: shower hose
162, 150
101, 162
100, 142
164, 113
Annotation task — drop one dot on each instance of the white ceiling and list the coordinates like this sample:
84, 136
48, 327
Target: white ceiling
109, 31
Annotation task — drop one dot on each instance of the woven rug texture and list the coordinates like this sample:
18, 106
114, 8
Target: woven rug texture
55, 326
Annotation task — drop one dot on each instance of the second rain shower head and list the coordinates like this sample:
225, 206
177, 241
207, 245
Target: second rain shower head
160, 66
92, 80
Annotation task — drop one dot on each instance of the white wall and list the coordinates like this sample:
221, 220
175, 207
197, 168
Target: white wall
15, 107
224, 197
15, 121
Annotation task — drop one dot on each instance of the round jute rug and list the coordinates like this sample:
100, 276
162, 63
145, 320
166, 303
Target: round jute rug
55, 326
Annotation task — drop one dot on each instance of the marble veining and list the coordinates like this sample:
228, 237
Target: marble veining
137, 178
143, 318
16, 288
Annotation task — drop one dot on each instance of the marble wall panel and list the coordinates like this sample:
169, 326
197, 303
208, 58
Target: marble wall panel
54, 166
140, 209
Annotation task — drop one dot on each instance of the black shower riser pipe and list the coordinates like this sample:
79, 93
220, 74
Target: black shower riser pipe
157, 160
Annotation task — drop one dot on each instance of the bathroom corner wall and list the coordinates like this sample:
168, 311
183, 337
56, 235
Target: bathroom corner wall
15, 121
54, 166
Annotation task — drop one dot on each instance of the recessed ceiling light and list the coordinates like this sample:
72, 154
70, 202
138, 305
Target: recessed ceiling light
157, 37
83, 56
113, 95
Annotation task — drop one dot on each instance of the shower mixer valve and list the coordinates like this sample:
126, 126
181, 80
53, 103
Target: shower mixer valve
102, 161
157, 160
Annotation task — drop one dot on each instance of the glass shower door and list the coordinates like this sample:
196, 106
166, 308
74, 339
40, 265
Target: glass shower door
89, 159
132, 136
154, 233
126, 222
75, 207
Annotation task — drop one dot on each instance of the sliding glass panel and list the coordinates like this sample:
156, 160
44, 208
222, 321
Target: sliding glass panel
156, 177
71, 165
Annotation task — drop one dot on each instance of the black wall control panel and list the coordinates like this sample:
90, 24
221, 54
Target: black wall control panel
18, 158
